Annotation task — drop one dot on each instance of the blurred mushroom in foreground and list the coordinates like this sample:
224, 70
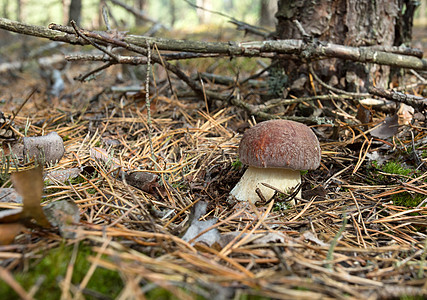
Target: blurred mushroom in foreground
48, 148
276, 152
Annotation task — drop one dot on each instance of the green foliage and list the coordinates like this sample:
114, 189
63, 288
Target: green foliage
402, 199
53, 266
237, 164
281, 205
393, 167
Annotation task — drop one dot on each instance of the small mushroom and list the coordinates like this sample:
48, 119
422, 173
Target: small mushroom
276, 151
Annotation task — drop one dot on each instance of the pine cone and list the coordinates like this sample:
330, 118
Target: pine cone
6, 131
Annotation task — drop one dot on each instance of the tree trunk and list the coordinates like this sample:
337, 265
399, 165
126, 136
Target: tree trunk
75, 11
5, 9
229, 5
65, 11
347, 22
19, 16
141, 5
266, 13
203, 15
172, 12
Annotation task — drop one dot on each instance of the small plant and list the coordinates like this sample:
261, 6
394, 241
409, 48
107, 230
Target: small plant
280, 205
237, 164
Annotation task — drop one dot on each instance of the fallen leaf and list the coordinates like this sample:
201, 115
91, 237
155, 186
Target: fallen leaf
406, 114
11, 215
364, 114
210, 237
62, 175
8, 232
145, 181
9, 195
254, 238
65, 214
140, 179
29, 184
388, 128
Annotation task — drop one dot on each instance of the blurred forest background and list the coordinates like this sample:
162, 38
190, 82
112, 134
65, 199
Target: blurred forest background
178, 14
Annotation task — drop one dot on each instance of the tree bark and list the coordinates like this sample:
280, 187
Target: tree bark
347, 22
266, 14
75, 11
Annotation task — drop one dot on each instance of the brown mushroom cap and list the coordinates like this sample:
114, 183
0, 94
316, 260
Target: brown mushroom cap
280, 144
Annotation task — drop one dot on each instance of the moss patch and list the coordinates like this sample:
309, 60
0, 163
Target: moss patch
393, 167
408, 200
53, 267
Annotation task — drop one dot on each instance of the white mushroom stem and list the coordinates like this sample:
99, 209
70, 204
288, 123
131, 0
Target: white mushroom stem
282, 179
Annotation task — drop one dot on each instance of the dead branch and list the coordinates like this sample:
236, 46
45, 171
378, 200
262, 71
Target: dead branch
306, 51
415, 101
136, 12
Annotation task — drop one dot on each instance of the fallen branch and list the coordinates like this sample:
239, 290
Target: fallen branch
416, 102
310, 51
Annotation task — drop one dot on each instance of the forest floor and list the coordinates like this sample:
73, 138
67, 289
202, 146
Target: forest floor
359, 231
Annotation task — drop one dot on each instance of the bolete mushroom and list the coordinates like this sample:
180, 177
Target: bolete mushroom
276, 152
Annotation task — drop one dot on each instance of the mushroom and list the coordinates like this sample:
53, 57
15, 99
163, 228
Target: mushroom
276, 151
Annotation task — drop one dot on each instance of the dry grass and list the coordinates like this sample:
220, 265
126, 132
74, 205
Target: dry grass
378, 252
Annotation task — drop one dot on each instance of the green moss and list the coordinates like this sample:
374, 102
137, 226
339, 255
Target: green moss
402, 199
411, 297
91, 191
161, 294
77, 180
252, 297
393, 167
406, 199
178, 185
53, 267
